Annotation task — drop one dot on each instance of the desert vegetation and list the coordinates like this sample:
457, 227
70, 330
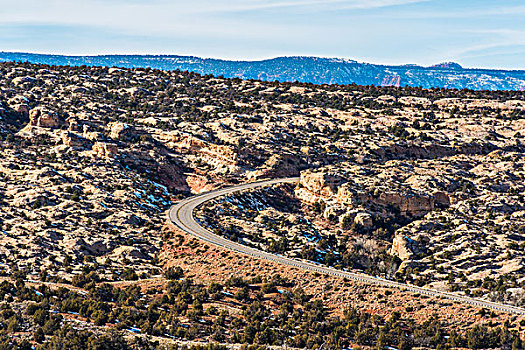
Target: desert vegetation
418, 185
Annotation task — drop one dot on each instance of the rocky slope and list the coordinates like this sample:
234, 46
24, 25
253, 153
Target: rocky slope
420, 185
448, 204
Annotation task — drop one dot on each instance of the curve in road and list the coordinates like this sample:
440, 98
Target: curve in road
181, 215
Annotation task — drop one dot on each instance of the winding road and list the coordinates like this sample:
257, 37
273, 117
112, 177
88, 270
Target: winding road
181, 215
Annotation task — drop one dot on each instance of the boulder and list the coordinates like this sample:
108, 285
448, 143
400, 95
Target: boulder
400, 248
73, 124
42, 173
97, 248
129, 252
332, 212
123, 219
105, 150
21, 108
322, 183
137, 91
31, 198
414, 204
120, 131
363, 219
283, 165
78, 244
44, 118
442, 199
22, 80
91, 135
73, 140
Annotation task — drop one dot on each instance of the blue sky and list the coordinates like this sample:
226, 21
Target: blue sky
475, 33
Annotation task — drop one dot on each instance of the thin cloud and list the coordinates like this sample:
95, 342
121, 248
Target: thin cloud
324, 4
489, 41
163, 17
465, 13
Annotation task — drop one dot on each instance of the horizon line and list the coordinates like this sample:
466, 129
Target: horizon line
257, 59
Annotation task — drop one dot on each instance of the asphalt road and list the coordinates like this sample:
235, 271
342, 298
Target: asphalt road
181, 215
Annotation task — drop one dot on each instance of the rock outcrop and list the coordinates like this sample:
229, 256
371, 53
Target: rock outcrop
44, 118
353, 192
316, 186
401, 248
71, 139
105, 149
363, 219
121, 131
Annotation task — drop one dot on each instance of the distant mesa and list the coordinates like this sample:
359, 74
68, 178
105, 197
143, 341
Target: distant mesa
316, 70
447, 65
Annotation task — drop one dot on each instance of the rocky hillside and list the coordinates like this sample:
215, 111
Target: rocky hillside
304, 69
436, 201
420, 185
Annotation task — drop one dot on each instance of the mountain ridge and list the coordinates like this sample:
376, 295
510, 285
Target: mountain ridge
306, 69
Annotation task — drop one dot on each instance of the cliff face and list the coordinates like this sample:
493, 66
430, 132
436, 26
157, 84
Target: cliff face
318, 186
448, 208
353, 190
